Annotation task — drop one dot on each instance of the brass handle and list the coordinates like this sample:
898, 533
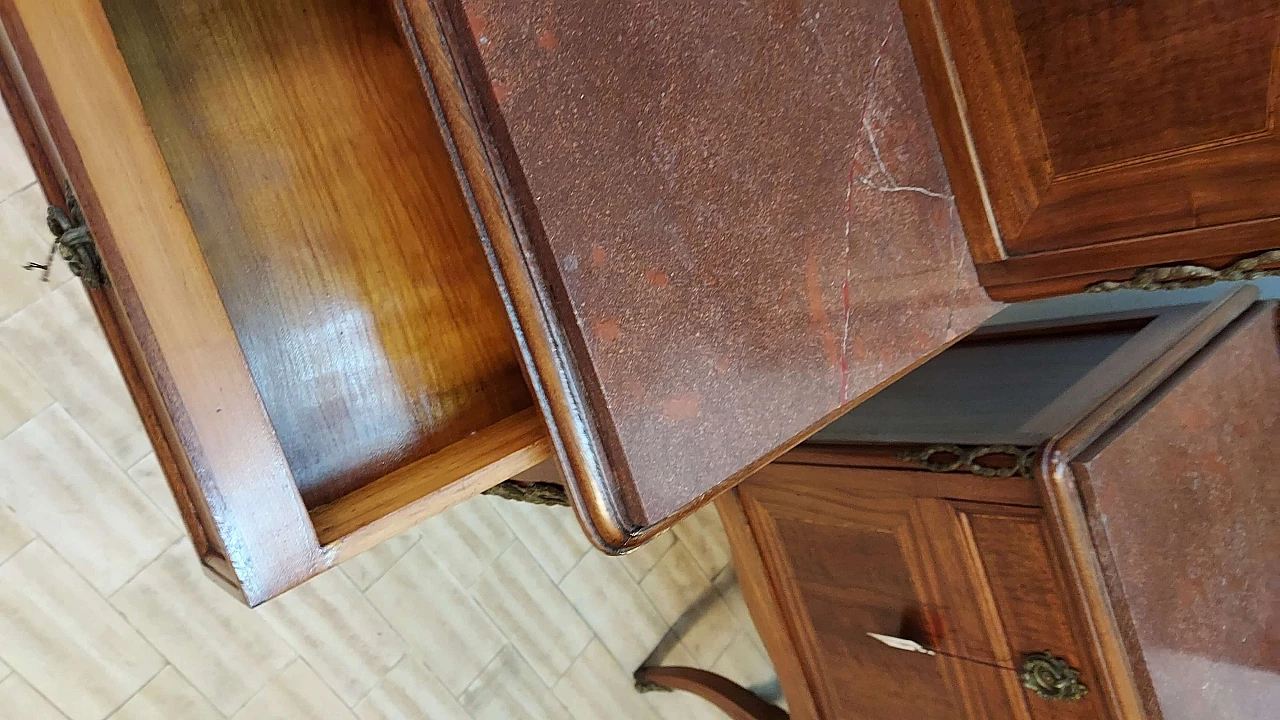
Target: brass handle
1052, 678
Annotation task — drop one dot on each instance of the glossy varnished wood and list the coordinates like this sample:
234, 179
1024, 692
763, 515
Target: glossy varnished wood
848, 553
308, 160
732, 699
314, 209
194, 364
1092, 138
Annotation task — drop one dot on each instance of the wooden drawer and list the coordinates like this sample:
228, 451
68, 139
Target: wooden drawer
350, 284
853, 551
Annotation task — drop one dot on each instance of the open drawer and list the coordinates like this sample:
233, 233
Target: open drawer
350, 284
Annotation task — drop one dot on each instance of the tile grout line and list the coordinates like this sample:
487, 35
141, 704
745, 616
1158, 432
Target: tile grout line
111, 596
485, 669
410, 650
137, 692
34, 182
416, 539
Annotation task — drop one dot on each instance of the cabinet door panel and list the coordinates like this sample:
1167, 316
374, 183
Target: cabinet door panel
844, 566
1090, 123
1029, 598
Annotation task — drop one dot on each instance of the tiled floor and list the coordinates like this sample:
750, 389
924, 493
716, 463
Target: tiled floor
493, 611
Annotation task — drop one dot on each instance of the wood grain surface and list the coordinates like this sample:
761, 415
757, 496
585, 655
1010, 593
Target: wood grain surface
293, 294
308, 160
1088, 128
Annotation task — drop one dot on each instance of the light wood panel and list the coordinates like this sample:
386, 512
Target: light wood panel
299, 297
318, 185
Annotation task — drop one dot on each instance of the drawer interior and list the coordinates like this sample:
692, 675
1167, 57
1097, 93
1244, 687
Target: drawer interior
311, 166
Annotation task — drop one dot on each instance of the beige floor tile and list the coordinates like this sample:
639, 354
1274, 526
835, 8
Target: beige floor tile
167, 697
532, 612
148, 476
295, 694
510, 690
366, 568
4, 670
443, 625
22, 397
15, 169
597, 687
615, 607
25, 238
65, 640
58, 338
61, 485
467, 537
731, 591
340, 635
704, 535
13, 534
676, 585
225, 650
20, 701
746, 664
552, 534
410, 692
640, 561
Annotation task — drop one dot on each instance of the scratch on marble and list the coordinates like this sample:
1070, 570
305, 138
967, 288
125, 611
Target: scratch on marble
901, 188
891, 184
955, 282
848, 219
844, 289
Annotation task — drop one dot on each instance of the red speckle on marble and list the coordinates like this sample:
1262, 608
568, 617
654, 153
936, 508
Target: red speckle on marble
608, 330
844, 351
598, 256
683, 406
859, 348
1193, 419
500, 91
819, 321
547, 40
479, 24
941, 215
656, 278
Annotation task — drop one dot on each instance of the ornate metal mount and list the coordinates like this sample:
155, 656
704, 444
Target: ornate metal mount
538, 493
74, 243
1177, 277
1052, 678
966, 459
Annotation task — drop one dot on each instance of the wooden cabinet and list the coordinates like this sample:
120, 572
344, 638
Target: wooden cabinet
1088, 140
361, 260
854, 551
1115, 509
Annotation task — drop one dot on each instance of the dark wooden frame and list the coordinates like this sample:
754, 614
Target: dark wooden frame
1120, 218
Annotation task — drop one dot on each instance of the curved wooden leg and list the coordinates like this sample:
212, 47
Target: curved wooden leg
736, 701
